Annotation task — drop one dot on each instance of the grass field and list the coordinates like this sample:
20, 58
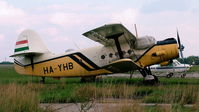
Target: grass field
24, 93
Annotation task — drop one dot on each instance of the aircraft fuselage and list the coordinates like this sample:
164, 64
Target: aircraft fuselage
90, 61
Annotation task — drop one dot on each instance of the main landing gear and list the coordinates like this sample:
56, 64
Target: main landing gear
148, 77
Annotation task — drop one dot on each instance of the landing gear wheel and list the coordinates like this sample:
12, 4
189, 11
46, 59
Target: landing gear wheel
153, 81
148, 77
156, 79
183, 75
169, 75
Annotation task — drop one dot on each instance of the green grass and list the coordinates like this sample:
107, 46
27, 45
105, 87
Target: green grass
172, 108
176, 91
194, 68
19, 98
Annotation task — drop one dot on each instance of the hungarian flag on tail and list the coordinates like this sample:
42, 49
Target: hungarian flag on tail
21, 45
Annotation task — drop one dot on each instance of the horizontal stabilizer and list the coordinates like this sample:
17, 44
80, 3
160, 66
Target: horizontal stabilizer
122, 65
27, 54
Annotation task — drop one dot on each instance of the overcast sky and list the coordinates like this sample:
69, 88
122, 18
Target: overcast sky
61, 23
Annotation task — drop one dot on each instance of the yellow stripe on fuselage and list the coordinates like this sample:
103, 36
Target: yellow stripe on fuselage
60, 67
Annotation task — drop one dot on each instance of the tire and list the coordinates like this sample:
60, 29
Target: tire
183, 75
169, 75
155, 81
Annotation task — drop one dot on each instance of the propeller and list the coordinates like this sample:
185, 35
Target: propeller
181, 47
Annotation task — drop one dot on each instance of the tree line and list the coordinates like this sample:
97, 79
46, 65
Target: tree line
193, 60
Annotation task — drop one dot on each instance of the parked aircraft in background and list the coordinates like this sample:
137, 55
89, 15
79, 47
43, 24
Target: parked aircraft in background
172, 68
120, 51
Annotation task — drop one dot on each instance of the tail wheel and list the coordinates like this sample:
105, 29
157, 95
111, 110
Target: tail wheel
42, 81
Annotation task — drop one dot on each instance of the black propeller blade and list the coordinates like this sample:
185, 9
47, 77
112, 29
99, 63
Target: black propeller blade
181, 47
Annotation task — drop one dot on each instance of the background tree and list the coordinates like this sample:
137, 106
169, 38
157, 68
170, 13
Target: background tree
194, 60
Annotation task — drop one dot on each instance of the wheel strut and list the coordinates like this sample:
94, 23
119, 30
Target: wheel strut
148, 77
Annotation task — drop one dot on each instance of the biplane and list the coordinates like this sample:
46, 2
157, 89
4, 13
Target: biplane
119, 51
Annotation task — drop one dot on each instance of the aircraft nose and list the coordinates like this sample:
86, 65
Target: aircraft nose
188, 66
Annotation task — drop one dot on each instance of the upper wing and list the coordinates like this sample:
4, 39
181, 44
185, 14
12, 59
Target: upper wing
122, 65
104, 33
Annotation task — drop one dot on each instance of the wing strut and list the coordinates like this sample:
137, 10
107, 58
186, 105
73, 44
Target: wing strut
117, 43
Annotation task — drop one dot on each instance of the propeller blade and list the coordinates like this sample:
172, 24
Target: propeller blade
178, 37
181, 47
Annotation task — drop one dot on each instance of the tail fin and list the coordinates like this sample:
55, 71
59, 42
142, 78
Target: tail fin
29, 43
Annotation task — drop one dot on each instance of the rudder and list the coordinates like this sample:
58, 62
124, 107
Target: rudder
29, 42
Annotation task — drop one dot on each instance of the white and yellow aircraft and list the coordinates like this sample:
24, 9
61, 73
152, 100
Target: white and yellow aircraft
120, 51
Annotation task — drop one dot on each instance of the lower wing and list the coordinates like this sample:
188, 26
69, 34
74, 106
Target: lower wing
122, 65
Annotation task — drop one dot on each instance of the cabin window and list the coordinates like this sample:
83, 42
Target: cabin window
102, 57
129, 51
111, 55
